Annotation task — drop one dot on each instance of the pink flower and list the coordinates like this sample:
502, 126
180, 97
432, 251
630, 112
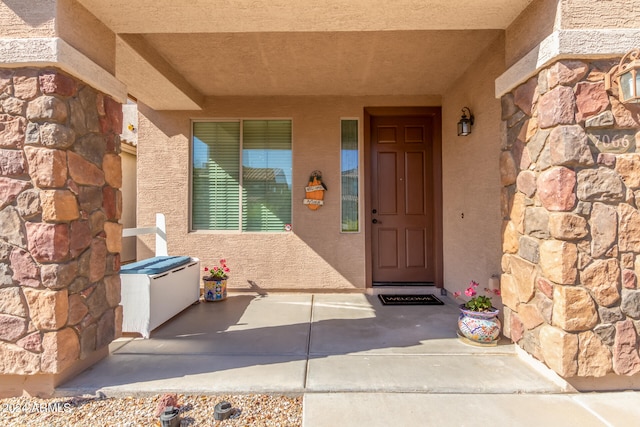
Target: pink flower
456, 294
215, 268
225, 269
474, 284
470, 292
497, 292
223, 261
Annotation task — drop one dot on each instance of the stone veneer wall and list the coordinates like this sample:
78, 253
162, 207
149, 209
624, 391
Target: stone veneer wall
59, 208
571, 238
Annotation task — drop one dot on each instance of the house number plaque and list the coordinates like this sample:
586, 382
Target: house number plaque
613, 141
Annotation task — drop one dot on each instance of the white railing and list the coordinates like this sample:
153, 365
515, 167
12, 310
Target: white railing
160, 230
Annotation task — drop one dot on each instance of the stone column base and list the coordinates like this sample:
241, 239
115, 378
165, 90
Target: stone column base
43, 385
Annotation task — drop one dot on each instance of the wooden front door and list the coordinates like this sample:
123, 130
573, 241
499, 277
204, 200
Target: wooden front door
402, 199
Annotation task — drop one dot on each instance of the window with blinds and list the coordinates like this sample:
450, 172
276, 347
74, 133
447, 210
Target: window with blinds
241, 175
349, 170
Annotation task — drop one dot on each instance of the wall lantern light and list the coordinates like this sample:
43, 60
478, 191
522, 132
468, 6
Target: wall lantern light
465, 123
627, 76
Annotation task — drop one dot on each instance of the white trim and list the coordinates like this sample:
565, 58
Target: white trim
160, 230
564, 44
53, 51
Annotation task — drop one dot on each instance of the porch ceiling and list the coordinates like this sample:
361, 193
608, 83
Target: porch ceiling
173, 54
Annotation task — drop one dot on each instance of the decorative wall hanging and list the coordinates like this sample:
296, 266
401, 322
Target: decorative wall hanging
315, 191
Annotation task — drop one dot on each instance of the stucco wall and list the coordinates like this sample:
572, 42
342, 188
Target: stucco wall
22, 19
535, 23
78, 27
471, 180
129, 194
579, 14
315, 255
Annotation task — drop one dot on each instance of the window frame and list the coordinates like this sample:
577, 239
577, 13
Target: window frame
240, 120
360, 172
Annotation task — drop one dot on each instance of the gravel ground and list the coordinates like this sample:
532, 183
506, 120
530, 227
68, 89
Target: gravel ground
89, 411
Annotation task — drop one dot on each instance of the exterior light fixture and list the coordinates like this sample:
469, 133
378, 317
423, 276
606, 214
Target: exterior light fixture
465, 123
627, 75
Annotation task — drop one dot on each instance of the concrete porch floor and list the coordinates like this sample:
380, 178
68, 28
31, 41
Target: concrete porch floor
356, 361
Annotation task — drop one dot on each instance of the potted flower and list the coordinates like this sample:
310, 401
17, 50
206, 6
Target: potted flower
478, 321
215, 282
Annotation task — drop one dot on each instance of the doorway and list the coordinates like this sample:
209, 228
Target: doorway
403, 153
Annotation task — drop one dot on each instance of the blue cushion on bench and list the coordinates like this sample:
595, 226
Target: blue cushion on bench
155, 265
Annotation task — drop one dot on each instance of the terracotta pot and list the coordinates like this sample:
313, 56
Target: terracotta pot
215, 289
482, 327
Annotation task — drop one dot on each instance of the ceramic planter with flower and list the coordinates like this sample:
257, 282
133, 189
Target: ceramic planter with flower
215, 282
478, 321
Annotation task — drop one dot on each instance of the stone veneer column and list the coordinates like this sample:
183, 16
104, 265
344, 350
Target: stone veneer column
59, 234
571, 237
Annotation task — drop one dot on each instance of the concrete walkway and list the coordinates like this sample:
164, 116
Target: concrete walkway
357, 362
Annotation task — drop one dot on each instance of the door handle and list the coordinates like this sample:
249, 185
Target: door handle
375, 221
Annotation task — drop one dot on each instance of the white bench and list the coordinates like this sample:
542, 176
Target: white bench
156, 289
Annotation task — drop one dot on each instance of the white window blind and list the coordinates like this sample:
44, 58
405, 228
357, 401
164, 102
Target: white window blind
261, 200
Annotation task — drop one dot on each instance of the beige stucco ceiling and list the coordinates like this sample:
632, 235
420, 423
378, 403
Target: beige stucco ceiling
345, 63
297, 47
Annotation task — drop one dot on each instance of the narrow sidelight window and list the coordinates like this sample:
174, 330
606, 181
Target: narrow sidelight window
349, 171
